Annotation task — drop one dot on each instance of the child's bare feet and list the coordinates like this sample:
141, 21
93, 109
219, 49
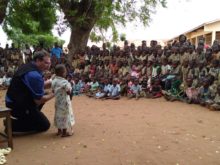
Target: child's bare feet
59, 132
66, 134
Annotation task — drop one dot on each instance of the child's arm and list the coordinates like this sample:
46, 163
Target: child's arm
68, 88
69, 92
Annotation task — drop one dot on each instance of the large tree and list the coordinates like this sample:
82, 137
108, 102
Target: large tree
85, 17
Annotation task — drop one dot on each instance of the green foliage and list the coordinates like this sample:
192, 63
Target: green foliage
123, 37
30, 21
28, 18
120, 12
94, 37
31, 16
108, 45
21, 39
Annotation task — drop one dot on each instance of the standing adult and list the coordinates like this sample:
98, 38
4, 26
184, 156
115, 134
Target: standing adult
56, 51
26, 96
27, 53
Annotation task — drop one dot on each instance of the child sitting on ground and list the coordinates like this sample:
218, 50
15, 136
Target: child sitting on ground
156, 89
99, 93
175, 92
103, 91
76, 87
204, 93
64, 118
135, 90
144, 87
92, 87
124, 87
215, 105
114, 92
191, 92
7, 79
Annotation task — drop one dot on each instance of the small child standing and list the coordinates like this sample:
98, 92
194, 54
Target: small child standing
64, 118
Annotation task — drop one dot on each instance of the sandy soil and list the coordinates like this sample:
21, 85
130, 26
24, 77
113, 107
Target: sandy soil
125, 132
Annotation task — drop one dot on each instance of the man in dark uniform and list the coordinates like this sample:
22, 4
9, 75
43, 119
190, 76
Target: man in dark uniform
25, 95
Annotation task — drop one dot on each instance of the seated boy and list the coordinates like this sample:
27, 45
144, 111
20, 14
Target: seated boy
215, 105
204, 92
103, 91
135, 90
114, 92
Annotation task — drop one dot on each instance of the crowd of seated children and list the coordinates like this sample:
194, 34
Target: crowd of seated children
180, 71
5, 79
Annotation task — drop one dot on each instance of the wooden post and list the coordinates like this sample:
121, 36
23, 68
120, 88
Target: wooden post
213, 36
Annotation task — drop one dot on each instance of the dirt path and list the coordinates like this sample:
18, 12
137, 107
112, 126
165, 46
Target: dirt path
126, 132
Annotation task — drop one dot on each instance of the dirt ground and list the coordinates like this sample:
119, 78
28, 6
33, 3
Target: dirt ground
125, 132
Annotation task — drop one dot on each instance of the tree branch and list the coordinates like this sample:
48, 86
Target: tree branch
3, 6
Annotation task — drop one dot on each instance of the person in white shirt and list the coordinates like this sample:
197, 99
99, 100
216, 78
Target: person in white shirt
135, 90
114, 91
27, 53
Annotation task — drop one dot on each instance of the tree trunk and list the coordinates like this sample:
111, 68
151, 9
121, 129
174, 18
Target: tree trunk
78, 41
85, 10
3, 6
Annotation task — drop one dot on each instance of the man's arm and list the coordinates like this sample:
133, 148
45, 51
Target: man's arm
47, 83
44, 99
35, 83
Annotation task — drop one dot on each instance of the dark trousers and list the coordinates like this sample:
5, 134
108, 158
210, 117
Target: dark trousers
28, 121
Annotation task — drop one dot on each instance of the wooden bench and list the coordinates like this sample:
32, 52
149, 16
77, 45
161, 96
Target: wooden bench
6, 113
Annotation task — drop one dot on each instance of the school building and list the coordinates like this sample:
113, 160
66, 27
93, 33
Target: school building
209, 30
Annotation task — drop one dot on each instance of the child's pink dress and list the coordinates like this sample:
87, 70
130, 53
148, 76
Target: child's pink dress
192, 93
134, 72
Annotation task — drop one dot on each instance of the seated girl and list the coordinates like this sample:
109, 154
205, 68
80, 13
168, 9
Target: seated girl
103, 91
156, 89
175, 92
191, 92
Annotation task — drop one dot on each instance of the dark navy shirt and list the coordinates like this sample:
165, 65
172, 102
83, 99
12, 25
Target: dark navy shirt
35, 82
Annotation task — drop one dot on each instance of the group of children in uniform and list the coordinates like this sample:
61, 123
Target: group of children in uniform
178, 72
